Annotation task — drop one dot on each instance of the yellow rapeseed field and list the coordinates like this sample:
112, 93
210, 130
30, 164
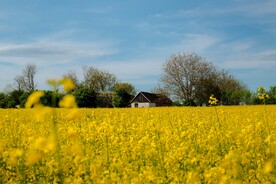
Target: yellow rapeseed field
148, 145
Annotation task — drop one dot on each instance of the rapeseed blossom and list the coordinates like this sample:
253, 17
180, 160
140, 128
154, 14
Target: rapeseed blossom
33, 157
74, 115
213, 100
54, 83
68, 84
14, 155
262, 94
68, 101
34, 99
149, 145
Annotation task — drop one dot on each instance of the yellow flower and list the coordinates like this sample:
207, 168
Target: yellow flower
34, 99
76, 149
68, 84
55, 83
75, 114
262, 94
213, 100
261, 97
51, 144
14, 156
40, 143
68, 101
44, 144
33, 157
72, 133
267, 140
268, 167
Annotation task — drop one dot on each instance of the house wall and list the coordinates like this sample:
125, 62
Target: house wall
143, 104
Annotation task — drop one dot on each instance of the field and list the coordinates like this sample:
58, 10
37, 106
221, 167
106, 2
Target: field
149, 145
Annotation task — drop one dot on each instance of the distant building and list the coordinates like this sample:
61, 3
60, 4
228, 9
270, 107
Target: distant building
145, 99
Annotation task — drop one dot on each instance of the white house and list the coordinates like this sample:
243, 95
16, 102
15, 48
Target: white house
145, 99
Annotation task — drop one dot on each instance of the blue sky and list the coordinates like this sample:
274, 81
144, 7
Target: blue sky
134, 38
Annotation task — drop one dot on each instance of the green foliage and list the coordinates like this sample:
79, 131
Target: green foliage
189, 103
121, 98
3, 100
85, 97
23, 98
272, 95
47, 99
104, 99
236, 97
127, 87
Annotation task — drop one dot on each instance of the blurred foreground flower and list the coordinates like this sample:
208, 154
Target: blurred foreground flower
33, 157
54, 83
34, 99
14, 155
68, 84
68, 101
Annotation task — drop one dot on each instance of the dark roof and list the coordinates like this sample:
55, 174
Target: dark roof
159, 99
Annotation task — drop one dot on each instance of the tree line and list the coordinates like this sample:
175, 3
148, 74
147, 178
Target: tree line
190, 80
99, 88
187, 78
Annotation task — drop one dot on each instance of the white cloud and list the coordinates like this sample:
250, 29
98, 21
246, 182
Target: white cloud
249, 8
54, 55
133, 68
264, 7
45, 52
263, 59
141, 73
237, 46
198, 43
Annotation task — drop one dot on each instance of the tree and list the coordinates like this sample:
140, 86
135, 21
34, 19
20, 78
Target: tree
160, 90
23, 98
14, 98
232, 91
29, 74
185, 75
47, 98
123, 93
19, 81
25, 81
98, 80
272, 95
104, 99
129, 88
85, 97
191, 79
3, 100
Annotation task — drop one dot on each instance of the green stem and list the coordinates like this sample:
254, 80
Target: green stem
55, 130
